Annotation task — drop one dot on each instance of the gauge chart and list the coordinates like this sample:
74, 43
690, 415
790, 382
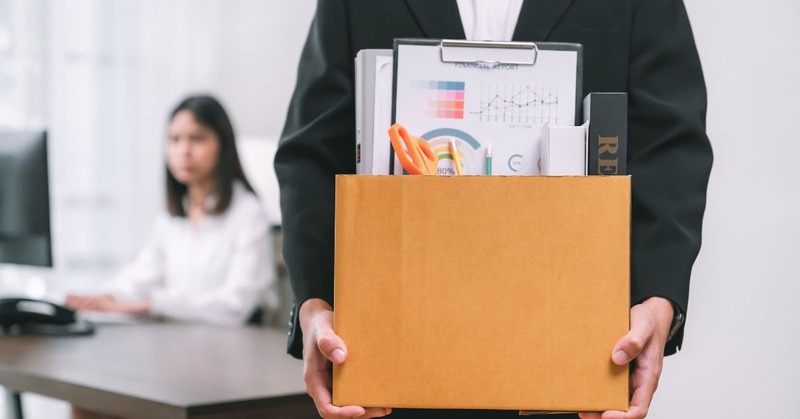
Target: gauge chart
470, 152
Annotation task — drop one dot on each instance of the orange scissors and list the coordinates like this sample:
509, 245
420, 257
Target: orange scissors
415, 154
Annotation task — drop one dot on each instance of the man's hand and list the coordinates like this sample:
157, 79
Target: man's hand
321, 346
650, 323
105, 302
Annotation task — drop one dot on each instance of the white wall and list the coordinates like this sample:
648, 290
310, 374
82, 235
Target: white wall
259, 49
740, 359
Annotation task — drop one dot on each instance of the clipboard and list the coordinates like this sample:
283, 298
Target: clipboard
485, 94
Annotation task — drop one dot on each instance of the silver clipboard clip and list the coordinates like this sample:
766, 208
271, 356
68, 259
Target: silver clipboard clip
489, 52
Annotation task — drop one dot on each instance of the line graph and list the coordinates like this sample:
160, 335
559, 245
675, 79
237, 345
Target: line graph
518, 103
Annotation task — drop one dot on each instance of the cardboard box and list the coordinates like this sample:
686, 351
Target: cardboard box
482, 292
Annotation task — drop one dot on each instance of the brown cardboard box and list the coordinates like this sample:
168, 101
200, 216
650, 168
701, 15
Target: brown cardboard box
482, 292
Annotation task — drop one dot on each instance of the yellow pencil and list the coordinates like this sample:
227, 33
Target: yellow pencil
456, 160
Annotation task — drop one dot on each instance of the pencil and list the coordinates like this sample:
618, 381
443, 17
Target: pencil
456, 160
488, 160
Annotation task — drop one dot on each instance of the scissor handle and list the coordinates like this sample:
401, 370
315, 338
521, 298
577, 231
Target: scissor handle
422, 161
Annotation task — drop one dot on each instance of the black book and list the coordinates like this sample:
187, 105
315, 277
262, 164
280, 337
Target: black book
607, 147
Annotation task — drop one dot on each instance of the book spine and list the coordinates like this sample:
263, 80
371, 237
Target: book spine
607, 148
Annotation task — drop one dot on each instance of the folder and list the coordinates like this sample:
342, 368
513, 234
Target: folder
607, 144
374, 74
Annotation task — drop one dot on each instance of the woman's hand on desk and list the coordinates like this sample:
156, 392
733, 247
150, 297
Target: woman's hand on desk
105, 302
321, 346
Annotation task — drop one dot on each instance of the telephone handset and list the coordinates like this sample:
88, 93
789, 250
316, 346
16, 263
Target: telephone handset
29, 316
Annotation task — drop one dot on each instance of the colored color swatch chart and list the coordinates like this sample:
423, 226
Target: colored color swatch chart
443, 99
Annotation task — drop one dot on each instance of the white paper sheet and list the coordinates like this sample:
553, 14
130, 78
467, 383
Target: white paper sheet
477, 104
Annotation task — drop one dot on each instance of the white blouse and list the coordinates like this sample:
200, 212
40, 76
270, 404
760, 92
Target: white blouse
489, 20
217, 271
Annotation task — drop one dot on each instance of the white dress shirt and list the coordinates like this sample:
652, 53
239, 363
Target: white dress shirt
489, 20
217, 271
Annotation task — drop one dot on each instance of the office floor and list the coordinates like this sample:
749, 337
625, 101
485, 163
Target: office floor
39, 407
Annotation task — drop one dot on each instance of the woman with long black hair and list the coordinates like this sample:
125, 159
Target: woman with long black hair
208, 256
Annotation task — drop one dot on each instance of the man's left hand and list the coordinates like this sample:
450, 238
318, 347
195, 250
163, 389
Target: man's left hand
650, 323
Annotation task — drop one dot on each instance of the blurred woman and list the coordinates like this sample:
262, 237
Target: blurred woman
208, 258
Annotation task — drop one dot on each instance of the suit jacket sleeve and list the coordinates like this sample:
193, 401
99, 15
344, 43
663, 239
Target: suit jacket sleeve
317, 143
669, 154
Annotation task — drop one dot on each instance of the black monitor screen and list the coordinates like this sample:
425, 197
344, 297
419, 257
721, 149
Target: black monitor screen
24, 199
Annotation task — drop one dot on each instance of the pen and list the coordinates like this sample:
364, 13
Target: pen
456, 160
488, 160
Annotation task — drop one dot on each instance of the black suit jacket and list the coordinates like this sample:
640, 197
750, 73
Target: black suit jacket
643, 47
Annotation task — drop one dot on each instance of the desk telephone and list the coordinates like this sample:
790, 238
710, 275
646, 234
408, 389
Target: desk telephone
28, 316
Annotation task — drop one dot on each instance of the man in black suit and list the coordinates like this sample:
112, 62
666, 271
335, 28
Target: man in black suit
643, 47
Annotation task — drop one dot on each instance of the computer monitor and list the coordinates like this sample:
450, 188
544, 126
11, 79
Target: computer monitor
24, 199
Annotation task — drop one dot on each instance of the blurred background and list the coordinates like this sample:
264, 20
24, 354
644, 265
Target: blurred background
102, 76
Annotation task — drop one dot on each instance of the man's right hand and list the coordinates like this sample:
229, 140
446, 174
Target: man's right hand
321, 346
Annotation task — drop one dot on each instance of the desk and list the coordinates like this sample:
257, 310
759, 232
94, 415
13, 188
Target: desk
163, 371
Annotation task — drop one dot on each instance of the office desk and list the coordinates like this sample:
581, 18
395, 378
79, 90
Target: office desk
163, 371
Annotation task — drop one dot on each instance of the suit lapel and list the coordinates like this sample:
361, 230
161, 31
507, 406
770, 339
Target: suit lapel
538, 18
437, 18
